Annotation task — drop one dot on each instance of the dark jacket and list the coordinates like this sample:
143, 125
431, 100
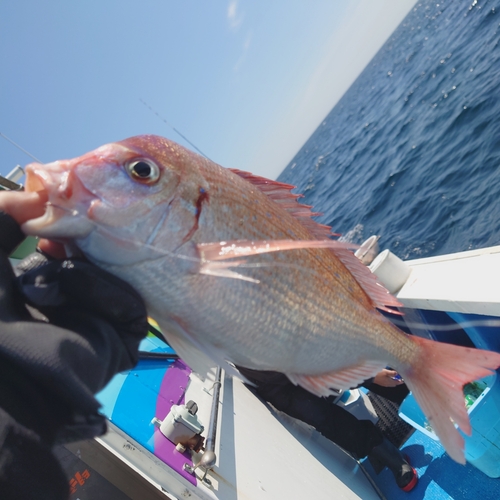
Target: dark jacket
88, 327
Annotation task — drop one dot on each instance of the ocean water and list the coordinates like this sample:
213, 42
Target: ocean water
412, 150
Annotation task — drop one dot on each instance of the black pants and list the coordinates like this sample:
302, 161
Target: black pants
394, 394
334, 422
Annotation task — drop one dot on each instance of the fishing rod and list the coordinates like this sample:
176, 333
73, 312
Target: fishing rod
165, 356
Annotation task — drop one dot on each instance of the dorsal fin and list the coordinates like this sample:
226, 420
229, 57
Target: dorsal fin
281, 193
378, 294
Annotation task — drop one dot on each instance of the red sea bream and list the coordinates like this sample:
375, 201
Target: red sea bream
231, 266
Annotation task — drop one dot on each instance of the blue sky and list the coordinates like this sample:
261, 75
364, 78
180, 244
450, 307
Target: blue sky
246, 81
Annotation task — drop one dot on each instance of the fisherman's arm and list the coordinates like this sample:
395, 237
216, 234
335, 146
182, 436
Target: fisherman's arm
388, 384
49, 371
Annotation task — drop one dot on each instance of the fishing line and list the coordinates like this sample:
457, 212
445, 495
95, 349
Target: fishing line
168, 253
172, 127
72, 212
486, 323
19, 147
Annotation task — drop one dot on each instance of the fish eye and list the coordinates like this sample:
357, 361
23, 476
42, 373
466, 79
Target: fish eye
143, 171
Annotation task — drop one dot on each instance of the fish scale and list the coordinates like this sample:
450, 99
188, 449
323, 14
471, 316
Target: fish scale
234, 269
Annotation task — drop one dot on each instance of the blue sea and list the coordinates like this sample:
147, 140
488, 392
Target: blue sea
412, 150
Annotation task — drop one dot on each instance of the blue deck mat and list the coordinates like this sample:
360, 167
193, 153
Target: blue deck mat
440, 478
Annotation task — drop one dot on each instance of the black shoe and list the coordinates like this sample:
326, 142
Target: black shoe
387, 455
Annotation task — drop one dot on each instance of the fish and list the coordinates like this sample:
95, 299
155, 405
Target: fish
237, 273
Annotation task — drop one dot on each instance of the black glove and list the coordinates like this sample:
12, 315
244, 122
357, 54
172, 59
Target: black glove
65, 290
51, 369
95, 324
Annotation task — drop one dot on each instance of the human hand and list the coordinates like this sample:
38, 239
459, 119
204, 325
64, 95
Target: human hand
386, 378
51, 366
74, 283
23, 206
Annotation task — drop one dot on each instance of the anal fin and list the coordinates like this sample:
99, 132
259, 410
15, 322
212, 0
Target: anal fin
347, 378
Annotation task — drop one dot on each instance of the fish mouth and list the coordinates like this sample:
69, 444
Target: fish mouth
64, 218
34, 181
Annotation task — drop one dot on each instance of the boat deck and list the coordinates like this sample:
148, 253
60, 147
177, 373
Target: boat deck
440, 478
262, 454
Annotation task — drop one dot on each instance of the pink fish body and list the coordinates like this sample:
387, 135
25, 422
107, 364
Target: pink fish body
233, 268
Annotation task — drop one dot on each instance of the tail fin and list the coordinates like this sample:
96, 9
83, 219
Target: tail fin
437, 379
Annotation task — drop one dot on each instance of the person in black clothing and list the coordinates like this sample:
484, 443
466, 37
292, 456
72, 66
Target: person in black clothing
361, 438
66, 328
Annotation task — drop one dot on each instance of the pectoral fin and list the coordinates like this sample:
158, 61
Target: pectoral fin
221, 269
243, 248
212, 253
215, 257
